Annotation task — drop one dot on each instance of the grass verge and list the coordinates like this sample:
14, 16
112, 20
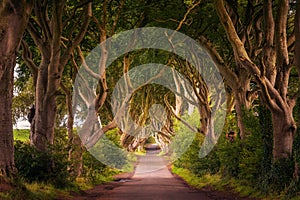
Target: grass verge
43, 191
216, 182
34, 191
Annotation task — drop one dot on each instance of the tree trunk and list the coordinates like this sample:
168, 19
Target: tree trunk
241, 104
74, 142
284, 129
238, 81
47, 35
49, 76
297, 40
14, 16
6, 130
239, 113
275, 95
42, 132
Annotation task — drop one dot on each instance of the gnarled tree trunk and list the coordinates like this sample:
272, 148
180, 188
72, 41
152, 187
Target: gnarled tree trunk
13, 20
273, 91
46, 29
6, 129
238, 82
284, 129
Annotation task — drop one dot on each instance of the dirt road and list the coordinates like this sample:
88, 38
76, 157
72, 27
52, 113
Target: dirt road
151, 181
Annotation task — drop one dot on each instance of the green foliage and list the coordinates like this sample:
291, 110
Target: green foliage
96, 171
207, 165
217, 182
251, 149
296, 147
21, 134
189, 2
294, 187
35, 166
150, 140
251, 159
190, 158
93, 169
34, 191
51, 167
229, 155
23, 99
244, 161
267, 138
107, 150
280, 175
195, 180
184, 137
228, 152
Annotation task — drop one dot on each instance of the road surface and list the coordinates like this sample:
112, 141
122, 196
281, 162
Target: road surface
152, 181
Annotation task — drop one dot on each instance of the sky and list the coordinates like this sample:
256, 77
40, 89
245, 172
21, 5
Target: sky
22, 124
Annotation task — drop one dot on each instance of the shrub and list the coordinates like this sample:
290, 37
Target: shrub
190, 158
92, 168
252, 146
107, 146
229, 155
50, 166
37, 166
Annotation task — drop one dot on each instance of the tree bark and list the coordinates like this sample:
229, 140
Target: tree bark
242, 103
14, 16
238, 82
74, 142
7, 167
54, 57
40, 134
274, 94
284, 129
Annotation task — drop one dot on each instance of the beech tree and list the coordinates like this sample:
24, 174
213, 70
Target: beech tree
107, 21
14, 16
272, 74
53, 30
247, 21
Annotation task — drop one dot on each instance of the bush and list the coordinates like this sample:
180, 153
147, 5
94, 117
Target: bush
281, 175
207, 165
229, 154
252, 148
92, 168
21, 134
36, 166
107, 146
53, 165
50, 166
190, 158
248, 161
